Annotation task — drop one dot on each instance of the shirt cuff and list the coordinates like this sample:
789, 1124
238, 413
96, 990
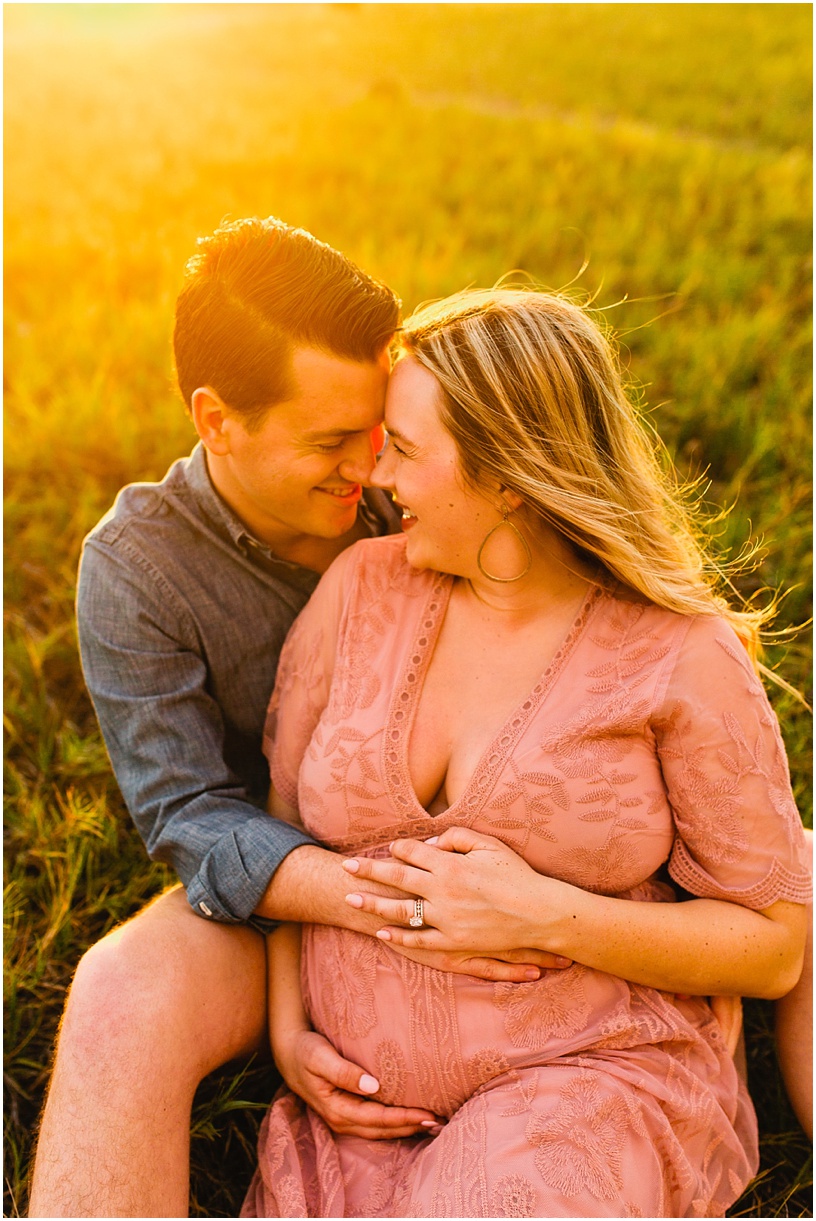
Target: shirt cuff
238, 868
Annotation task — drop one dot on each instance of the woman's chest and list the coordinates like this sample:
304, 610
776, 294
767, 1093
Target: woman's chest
570, 779
474, 681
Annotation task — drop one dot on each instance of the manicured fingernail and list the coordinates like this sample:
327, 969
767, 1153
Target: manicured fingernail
433, 840
384, 934
532, 973
351, 866
369, 1084
563, 962
430, 1123
435, 1130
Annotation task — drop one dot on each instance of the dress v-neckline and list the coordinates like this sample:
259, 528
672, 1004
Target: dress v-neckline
405, 701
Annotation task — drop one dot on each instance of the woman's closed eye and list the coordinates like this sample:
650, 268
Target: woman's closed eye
390, 443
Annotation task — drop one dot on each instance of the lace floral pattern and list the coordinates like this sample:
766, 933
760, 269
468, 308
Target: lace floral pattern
647, 740
390, 1071
553, 1007
580, 1148
514, 1196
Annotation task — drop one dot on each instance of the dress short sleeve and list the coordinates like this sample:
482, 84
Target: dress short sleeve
304, 676
738, 832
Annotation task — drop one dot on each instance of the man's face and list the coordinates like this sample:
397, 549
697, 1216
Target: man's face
301, 473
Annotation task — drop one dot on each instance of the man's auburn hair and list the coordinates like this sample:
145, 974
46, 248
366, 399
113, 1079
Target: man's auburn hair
256, 289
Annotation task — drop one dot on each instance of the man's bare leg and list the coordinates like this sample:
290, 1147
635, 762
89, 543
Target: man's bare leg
794, 1036
154, 1007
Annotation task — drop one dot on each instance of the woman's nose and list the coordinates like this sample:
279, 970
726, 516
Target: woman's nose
382, 475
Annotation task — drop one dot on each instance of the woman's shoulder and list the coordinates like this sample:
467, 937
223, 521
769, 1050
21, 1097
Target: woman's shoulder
385, 549
685, 643
703, 627
374, 568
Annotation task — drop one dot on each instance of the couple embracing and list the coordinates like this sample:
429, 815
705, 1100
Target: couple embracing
514, 721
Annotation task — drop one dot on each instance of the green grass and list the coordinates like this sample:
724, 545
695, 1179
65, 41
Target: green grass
668, 146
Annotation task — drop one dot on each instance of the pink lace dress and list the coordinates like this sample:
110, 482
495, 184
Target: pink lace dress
647, 740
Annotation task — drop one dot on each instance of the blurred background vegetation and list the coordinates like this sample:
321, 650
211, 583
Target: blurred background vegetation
667, 147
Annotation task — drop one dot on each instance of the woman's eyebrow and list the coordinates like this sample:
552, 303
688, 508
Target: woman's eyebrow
398, 436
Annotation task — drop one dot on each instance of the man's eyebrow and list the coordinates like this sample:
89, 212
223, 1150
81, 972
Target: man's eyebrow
331, 432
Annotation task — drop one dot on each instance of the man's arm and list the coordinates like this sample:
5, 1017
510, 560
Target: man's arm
166, 739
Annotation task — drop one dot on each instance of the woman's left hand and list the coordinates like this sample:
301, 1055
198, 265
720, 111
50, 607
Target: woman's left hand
477, 893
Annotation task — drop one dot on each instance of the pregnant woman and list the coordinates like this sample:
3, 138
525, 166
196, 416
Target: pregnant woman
539, 682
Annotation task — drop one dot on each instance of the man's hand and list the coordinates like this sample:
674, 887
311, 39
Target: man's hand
332, 1086
510, 966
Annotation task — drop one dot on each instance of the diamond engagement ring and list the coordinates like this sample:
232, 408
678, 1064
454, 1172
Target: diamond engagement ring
417, 920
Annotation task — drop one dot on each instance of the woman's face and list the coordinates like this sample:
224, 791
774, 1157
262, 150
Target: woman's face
445, 520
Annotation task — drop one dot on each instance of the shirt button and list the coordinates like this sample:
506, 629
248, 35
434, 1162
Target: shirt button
203, 908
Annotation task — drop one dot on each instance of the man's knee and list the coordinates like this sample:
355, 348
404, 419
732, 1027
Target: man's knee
122, 995
144, 990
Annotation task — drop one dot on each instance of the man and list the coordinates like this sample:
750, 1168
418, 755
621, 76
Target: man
187, 589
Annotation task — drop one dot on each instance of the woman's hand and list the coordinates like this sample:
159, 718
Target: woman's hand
332, 1087
480, 897
477, 894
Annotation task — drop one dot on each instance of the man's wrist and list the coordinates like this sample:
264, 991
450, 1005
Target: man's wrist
310, 887
287, 895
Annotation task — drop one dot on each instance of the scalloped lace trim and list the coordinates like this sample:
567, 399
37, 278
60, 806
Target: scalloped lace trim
778, 883
406, 698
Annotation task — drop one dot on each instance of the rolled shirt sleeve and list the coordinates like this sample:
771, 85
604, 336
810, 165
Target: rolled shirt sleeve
146, 669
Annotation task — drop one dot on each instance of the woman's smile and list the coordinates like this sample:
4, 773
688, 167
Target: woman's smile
408, 518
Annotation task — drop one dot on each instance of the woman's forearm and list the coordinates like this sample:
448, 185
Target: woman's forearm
479, 896
287, 1012
701, 946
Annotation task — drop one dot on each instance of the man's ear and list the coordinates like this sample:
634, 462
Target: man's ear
209, 414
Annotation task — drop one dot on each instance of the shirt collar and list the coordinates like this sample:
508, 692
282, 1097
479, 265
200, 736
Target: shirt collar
212, 503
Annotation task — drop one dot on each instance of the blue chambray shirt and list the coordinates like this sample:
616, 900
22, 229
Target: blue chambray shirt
182, 615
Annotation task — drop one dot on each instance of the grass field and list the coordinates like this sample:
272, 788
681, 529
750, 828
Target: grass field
665, 146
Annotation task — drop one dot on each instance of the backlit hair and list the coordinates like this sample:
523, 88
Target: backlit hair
533, 396
254, 290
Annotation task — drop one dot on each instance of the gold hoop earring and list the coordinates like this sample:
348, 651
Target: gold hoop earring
505, 521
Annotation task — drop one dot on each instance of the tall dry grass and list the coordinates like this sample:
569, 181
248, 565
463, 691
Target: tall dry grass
439, 146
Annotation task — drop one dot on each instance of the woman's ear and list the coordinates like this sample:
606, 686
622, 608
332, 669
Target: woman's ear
209, 414
511, 499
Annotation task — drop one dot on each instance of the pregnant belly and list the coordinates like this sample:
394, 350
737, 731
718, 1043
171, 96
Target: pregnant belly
432, 1038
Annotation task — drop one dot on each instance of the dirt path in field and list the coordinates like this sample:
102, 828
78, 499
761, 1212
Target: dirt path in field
497, 107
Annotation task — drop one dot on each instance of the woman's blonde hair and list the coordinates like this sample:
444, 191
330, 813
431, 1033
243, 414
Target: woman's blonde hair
533, 395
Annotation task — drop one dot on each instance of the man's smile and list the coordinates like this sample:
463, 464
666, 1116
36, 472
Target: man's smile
349, 494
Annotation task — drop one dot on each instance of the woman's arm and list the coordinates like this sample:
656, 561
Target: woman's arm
478, 892
312, 1068
281, 809
306, 887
